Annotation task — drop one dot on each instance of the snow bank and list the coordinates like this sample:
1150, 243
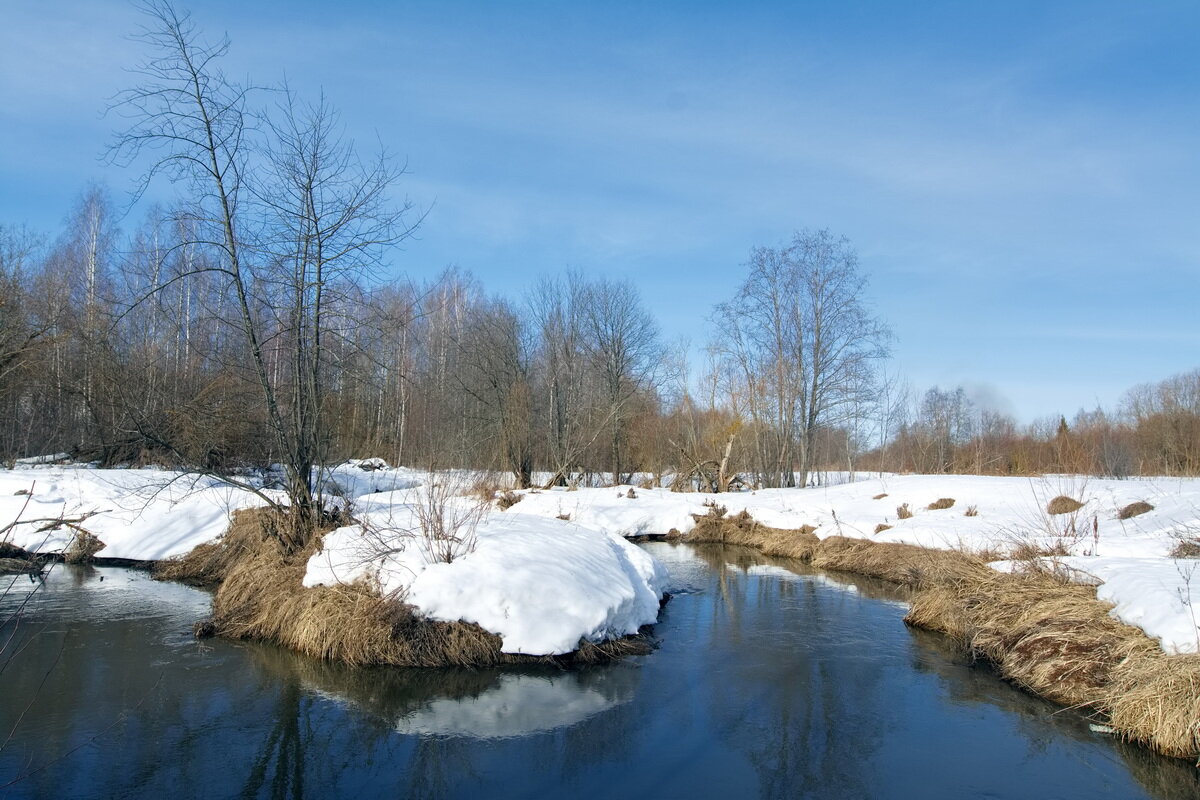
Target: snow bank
142, 514
540, 584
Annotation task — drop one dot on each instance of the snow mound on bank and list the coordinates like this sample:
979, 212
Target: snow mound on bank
541, 585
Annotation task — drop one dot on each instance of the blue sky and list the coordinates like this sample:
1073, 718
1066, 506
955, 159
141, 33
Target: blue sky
1021, 179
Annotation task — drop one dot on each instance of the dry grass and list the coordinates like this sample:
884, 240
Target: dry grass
941, 503
903, 511
1154, 699
83, 548
1054, 638
1063, 505
906, 564
879, 496
972, 511
1134, 509
1030, 551
742, 529
508, 499
1186, 548
1045, 634
881, 527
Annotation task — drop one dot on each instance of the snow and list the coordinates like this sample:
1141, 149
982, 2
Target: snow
142, 514
542, 583
1129, 560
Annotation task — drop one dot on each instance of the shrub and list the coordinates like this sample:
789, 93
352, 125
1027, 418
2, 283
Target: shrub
942, 503
903, 511
508, 499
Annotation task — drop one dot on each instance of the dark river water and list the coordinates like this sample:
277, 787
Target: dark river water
769, 681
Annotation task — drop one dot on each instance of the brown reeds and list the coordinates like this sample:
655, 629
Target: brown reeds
941, 503
879, 496
1134, 510
903, 511
881, 527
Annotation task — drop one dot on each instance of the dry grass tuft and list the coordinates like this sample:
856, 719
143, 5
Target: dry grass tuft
903, 511
879, 496
1154, 699
941, 503
83, 548
1063, 505
508, 499
881, 527
972, 511
565, 517
1031, 551
1134, 509
1186, 548
742, 529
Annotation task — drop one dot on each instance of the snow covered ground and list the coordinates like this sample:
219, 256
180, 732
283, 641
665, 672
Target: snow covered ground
542, 582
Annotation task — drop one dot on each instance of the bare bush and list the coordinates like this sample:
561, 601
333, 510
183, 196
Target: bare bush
903, 511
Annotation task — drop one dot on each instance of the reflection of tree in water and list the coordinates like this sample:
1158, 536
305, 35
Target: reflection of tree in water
807, 713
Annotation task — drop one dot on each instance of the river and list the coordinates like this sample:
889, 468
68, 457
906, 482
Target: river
770, 679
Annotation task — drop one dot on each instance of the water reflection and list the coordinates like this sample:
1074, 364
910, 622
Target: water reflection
772, 680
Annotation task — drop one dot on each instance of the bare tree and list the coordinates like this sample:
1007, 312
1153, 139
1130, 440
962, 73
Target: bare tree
801, 349
316, 215
626, 355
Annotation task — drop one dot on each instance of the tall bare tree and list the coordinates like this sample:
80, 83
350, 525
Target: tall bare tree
801, 348
309, 215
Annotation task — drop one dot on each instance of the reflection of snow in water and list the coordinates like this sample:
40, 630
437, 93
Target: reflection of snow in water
520, 705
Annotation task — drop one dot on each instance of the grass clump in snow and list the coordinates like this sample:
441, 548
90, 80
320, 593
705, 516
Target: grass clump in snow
1186, 548
941, 503
1063, 505
972, 511
903, 511
509, 499
879, 496
1134, 510
881, 527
